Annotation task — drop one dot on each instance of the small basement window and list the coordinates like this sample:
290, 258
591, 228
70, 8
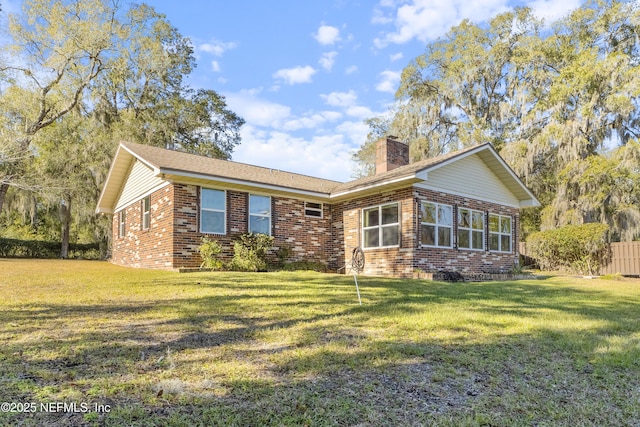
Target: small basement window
313, 209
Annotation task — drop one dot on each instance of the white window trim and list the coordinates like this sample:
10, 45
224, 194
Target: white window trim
122, 221
146, 212
381, 226
260, 215
437, 225
500, 233
224, 211
471, 229
310, 209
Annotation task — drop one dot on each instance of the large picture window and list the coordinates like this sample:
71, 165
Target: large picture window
500, 233
213, 204
470, 229
436, 224
260, 214
381, 226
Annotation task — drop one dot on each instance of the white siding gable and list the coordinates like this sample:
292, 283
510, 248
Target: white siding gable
470, 176
140, 182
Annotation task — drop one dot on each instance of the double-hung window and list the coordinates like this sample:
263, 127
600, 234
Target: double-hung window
260, 214
213, 207
470, 229
122, 220
500, 233
381, 226
146, 212
436, 224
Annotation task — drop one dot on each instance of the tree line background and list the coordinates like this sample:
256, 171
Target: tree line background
77, 77
558, 100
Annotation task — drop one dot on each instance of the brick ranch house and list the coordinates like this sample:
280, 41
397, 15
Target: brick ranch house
457, 212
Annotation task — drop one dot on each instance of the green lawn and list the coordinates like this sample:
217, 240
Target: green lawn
162, 348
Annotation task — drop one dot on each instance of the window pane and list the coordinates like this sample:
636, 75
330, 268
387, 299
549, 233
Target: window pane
259, 224
505, 224
444, 215
477, 240
463, 239
212, 199
494, 221
260, 205
494, 240
478, 220
390, 235
428, 212
213, 222
390, 214
311, 205
506, 243
371, 238
464, 219
428, 235
444, 236
371, 217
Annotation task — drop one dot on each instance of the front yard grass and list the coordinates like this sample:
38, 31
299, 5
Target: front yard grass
160, 348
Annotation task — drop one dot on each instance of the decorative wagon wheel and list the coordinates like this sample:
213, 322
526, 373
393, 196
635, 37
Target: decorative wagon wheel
357, 260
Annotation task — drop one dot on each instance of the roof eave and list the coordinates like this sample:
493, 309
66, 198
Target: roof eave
403, 181
179, 175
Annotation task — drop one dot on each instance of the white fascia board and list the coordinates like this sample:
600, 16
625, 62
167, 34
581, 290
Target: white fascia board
373, 186
259, 185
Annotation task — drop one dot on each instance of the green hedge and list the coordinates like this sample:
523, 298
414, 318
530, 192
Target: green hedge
14, 248
577, 248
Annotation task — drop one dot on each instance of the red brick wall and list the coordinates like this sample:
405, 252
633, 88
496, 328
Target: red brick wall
435, 259
384, 261
173, 237
410, 255
151, 248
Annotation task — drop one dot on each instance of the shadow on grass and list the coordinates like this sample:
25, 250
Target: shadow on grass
297, 349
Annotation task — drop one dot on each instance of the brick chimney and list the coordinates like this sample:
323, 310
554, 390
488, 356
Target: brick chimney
390, 154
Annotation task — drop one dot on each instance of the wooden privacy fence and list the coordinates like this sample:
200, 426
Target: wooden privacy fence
623, 258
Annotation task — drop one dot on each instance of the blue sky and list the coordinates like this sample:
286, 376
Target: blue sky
304, 74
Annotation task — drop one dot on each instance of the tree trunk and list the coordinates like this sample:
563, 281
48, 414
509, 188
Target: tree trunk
65, 218
3, 192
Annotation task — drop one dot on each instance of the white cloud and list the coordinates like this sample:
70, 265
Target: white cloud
311, 121
327, 60
215, 66
217, 47
340, 99
551, 10
351, 69
396, 56
324, 156
359, 111
255, 110
388, 81
292, 76
327, 35
356, 131
426, 20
